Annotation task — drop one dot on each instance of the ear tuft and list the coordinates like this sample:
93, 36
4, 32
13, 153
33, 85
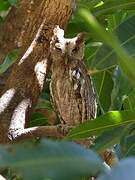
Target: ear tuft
80, 38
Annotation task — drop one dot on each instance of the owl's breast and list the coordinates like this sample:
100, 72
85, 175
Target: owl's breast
73, 94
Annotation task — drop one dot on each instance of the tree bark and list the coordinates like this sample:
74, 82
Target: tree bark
28, 27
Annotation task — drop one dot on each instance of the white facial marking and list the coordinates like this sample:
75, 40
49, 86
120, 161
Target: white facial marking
66, 45
59, 33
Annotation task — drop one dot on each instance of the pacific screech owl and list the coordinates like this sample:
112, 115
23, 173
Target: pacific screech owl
71, 87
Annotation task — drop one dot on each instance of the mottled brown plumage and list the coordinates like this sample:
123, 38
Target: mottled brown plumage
71, 87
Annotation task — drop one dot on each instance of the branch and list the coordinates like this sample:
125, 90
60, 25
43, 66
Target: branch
26, 80
40, 131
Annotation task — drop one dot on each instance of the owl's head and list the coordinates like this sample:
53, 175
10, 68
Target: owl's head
63, 47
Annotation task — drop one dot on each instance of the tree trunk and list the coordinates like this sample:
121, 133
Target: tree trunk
28, 27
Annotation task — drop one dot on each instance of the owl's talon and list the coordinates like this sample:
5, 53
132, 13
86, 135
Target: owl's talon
64, 129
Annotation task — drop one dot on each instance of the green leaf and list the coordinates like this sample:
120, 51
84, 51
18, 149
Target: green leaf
13, 2
127, 142
129, 102
38, 119
44, 104
102, 123
107, 139
104, 85
88, 4
51, 160
124, 60
120, 90
1, 19
106, 56
9, 60
4, 5
112, 6
76, 26
125, 170
116, 19
90, 52
131, 150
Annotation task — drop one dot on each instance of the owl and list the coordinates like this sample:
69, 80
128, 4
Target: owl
71, 86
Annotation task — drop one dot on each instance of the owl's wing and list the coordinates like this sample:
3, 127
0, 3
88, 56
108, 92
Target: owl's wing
83, 85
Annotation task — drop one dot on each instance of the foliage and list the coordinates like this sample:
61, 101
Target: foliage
110, 59
52, 160
9, 60
124, 170
102, 123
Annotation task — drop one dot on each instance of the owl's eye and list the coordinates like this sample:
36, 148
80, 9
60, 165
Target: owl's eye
58, 47
75, 49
